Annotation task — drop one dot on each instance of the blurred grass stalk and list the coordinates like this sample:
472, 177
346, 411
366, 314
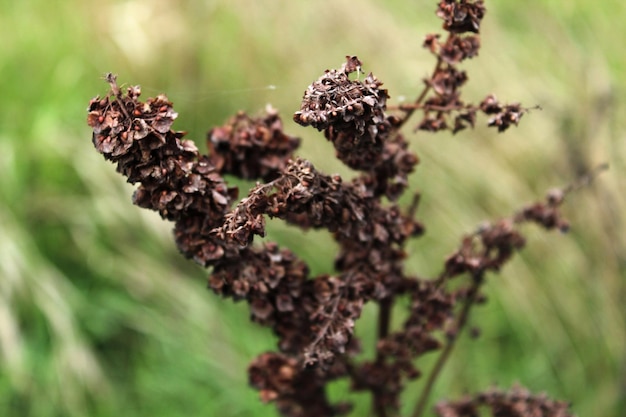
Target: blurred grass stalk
29, 279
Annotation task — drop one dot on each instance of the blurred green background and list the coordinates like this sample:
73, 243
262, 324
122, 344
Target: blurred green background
100, 316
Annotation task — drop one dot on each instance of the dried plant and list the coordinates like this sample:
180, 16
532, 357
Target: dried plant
314, 316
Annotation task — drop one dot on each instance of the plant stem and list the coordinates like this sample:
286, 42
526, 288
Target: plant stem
417, 103
436, 371
379, 408
384, 317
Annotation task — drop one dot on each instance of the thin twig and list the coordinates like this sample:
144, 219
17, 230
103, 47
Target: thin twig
586, 179
329, 321
417, 103
414, 204
117, 93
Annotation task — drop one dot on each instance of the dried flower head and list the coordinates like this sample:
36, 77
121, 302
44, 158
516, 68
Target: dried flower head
461, 16
518, 402
348, 105
297, 392
350, 112
251, 148
502, 116
459, 49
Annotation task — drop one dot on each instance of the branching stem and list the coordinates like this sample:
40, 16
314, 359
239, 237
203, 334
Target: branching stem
409, 110
436, 371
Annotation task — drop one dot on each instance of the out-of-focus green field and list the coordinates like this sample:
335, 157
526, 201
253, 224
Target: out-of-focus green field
100, 316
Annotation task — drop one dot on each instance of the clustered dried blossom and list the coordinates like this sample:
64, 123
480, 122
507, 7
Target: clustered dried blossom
251, 148
174, 179
370, 238
518, 402
352, 115
189, 189
461, 16
350, 112
441, 103
546, 214
334, 101
502, 116
314, 317
297, 391
494, 243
